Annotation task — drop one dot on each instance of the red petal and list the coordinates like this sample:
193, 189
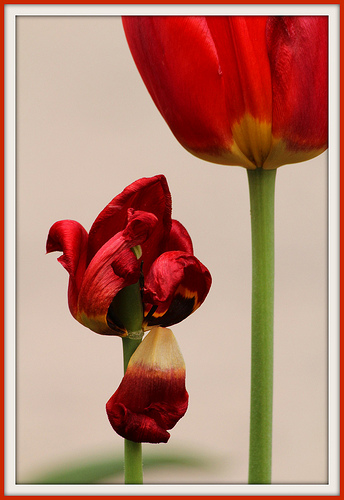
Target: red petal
179, 238
176, 286
179, 65
112, 268
135, 426
152, 396
241, 46
298, 49
210, 79
147, 194
70, 237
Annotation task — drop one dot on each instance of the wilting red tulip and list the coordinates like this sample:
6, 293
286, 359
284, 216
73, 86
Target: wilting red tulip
248, 91
152, 396
101, 264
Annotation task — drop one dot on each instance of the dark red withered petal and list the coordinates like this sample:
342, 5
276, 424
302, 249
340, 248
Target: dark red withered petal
146, 194
69, 237
152, 396
179, 238
112, 268
176, 286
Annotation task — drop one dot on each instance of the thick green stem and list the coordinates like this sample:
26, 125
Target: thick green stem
262, 194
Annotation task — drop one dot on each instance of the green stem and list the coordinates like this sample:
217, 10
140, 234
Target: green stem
126, 309
262, 193
133, 473
129, 347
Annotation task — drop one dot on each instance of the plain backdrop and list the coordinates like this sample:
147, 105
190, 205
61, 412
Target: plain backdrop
86, 128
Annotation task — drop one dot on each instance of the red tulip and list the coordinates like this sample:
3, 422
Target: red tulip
101, 264
248, 91
152, 396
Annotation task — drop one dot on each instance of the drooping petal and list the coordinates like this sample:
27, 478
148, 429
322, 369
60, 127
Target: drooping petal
152, 396
175, 287
148, 194
179, 238
112, 268
69, 237
298, 52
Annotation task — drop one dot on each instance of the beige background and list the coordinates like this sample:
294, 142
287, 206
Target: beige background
86, 129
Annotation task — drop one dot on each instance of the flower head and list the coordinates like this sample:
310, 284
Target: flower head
104, 262
152, 396
237, 90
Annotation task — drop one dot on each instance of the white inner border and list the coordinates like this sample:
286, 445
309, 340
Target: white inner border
11, 12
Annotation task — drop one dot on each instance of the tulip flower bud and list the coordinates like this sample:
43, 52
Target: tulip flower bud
237, 90
152, 396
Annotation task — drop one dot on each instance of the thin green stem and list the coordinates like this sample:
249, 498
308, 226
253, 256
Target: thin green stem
133, 473
262, 195
126, 309
129, 347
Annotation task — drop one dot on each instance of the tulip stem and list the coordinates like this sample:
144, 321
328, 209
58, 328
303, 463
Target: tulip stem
262, 194
129, 347
133, 473
130, 305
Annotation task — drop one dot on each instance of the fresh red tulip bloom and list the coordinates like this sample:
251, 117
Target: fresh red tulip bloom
152, 396
101, 264
242, 90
